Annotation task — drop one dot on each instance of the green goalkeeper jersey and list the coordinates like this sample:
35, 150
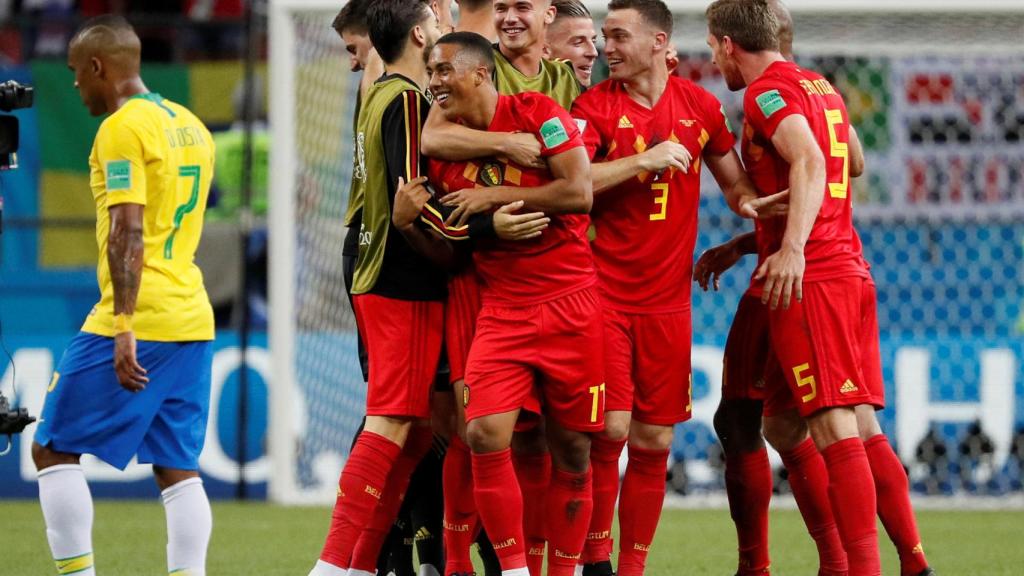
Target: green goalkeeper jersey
556, 80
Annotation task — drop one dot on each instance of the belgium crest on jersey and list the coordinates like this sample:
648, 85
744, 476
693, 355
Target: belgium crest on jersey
492, 174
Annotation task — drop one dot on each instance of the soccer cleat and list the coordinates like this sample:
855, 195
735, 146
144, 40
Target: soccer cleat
602, 568
462, 574
926, 572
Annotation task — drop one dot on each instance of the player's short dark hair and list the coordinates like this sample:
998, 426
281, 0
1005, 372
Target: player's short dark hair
653, 12
750, 23
570, 9
351, 17
472, 44
389, 23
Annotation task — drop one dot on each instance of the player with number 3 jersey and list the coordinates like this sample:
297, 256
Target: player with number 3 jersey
649, 134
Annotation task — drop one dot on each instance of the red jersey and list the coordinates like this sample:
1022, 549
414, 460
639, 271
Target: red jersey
557, 263
833, 249
646, 227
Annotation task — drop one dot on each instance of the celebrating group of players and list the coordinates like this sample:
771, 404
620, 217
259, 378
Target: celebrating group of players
537, 235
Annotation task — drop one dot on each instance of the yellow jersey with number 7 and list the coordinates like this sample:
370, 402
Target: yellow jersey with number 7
156, 153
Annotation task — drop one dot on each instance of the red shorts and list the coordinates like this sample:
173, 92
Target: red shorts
819, 348
460, 319
647, 365
746, 352
408, 335
871, 355
556, 346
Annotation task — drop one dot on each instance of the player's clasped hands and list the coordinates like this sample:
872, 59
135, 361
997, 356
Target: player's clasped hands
666, 155
783, 274
511, 226
410, 198
130, 374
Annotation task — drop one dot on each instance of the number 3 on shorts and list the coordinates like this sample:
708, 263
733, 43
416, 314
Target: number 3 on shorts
598, 400
805, 381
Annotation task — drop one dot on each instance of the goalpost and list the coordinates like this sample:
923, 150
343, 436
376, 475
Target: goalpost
934, 97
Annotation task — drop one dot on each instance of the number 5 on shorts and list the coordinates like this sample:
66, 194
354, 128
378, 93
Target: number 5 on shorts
598, 393
805, 381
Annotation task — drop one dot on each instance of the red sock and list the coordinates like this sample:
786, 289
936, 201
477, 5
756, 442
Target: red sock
534, 474
570, 502
851, 490
748, 484
460, 517
500, 503
894, 504
604, 460
643, 493
364, 555
360, 489
808, 478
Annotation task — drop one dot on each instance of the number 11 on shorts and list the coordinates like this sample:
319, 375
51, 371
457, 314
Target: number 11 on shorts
597, 392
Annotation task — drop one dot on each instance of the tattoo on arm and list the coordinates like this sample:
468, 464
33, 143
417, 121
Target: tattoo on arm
125, 255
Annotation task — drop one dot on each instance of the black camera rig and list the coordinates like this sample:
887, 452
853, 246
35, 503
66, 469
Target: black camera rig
13, 96
12, 421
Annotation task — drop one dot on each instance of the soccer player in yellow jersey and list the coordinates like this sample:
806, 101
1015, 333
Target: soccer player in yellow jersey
136, 380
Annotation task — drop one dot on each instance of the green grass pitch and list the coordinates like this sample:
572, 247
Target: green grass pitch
129, 539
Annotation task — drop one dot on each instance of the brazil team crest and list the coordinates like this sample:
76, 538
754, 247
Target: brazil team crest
492, 174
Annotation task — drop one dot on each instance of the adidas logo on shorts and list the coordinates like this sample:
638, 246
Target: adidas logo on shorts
848, 387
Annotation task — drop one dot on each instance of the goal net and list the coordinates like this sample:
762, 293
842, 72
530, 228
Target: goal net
937, 100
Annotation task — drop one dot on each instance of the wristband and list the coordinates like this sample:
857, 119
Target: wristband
122, 323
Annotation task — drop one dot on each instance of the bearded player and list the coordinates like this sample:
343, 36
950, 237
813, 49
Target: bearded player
136, 379
738, 423
571, 37
648, 132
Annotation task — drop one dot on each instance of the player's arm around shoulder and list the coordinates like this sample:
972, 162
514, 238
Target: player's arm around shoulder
447, 140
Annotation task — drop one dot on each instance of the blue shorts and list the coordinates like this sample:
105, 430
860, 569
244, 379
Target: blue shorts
88, 412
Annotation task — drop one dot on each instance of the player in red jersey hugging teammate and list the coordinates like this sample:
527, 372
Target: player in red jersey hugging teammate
540, 326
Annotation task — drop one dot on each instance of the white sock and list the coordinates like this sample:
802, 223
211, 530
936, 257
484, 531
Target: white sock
354, 572
578, 570
324, 569
67, 505
428, 570
524, 571
67, 510
189, 523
